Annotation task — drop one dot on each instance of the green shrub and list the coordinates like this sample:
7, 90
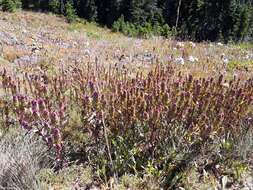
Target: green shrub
11, 5
118, 25
70, 12
146, 30
166, 31
54, 6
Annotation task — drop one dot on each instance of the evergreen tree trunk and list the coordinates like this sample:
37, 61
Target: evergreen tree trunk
61, 7
178, 12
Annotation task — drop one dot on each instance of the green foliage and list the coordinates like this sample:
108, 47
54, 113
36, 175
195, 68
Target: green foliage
70, 12
66, 177
119, 24
87, 9
54, 6
240, 65
93, 35
146, 30
10, 5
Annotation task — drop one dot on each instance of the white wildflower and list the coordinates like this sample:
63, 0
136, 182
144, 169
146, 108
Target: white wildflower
249, 56
219, 44
225, 60
193, 45
225, 85
179, 61
193, 59
179, 44
87, 52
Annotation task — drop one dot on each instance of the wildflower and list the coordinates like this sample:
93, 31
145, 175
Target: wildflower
25, 125
15, 99
87, 52
249, 56
168, 58
54, 118
95, 96
179, 61
35, 113
179, 45
34, 104
41, 104
219, 44
57, 135
226, 85
193, 45
224, 59
91, 86
117, 54
47, 126
193, 59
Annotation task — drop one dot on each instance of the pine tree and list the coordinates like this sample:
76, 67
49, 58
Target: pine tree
70, 12
54, 6
87, 9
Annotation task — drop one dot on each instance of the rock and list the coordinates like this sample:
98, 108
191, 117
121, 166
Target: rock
8, 39
27, 59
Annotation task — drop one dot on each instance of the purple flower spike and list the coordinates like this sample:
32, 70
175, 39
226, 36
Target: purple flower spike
45, 114
35, 113
40, 101
47, 126
15, 99
95, 95
41, 104
21, 98
53, 117
34, 103
25, 125
91, 85
57, 136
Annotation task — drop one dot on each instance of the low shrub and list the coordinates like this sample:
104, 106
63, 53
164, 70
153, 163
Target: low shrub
70, 12
54, 6
146, 30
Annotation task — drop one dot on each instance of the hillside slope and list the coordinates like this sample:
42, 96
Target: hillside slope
74, 84
29, 38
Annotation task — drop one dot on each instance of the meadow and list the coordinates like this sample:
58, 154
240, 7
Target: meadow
84, 108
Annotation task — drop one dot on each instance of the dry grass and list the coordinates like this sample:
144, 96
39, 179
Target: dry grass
21, 158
